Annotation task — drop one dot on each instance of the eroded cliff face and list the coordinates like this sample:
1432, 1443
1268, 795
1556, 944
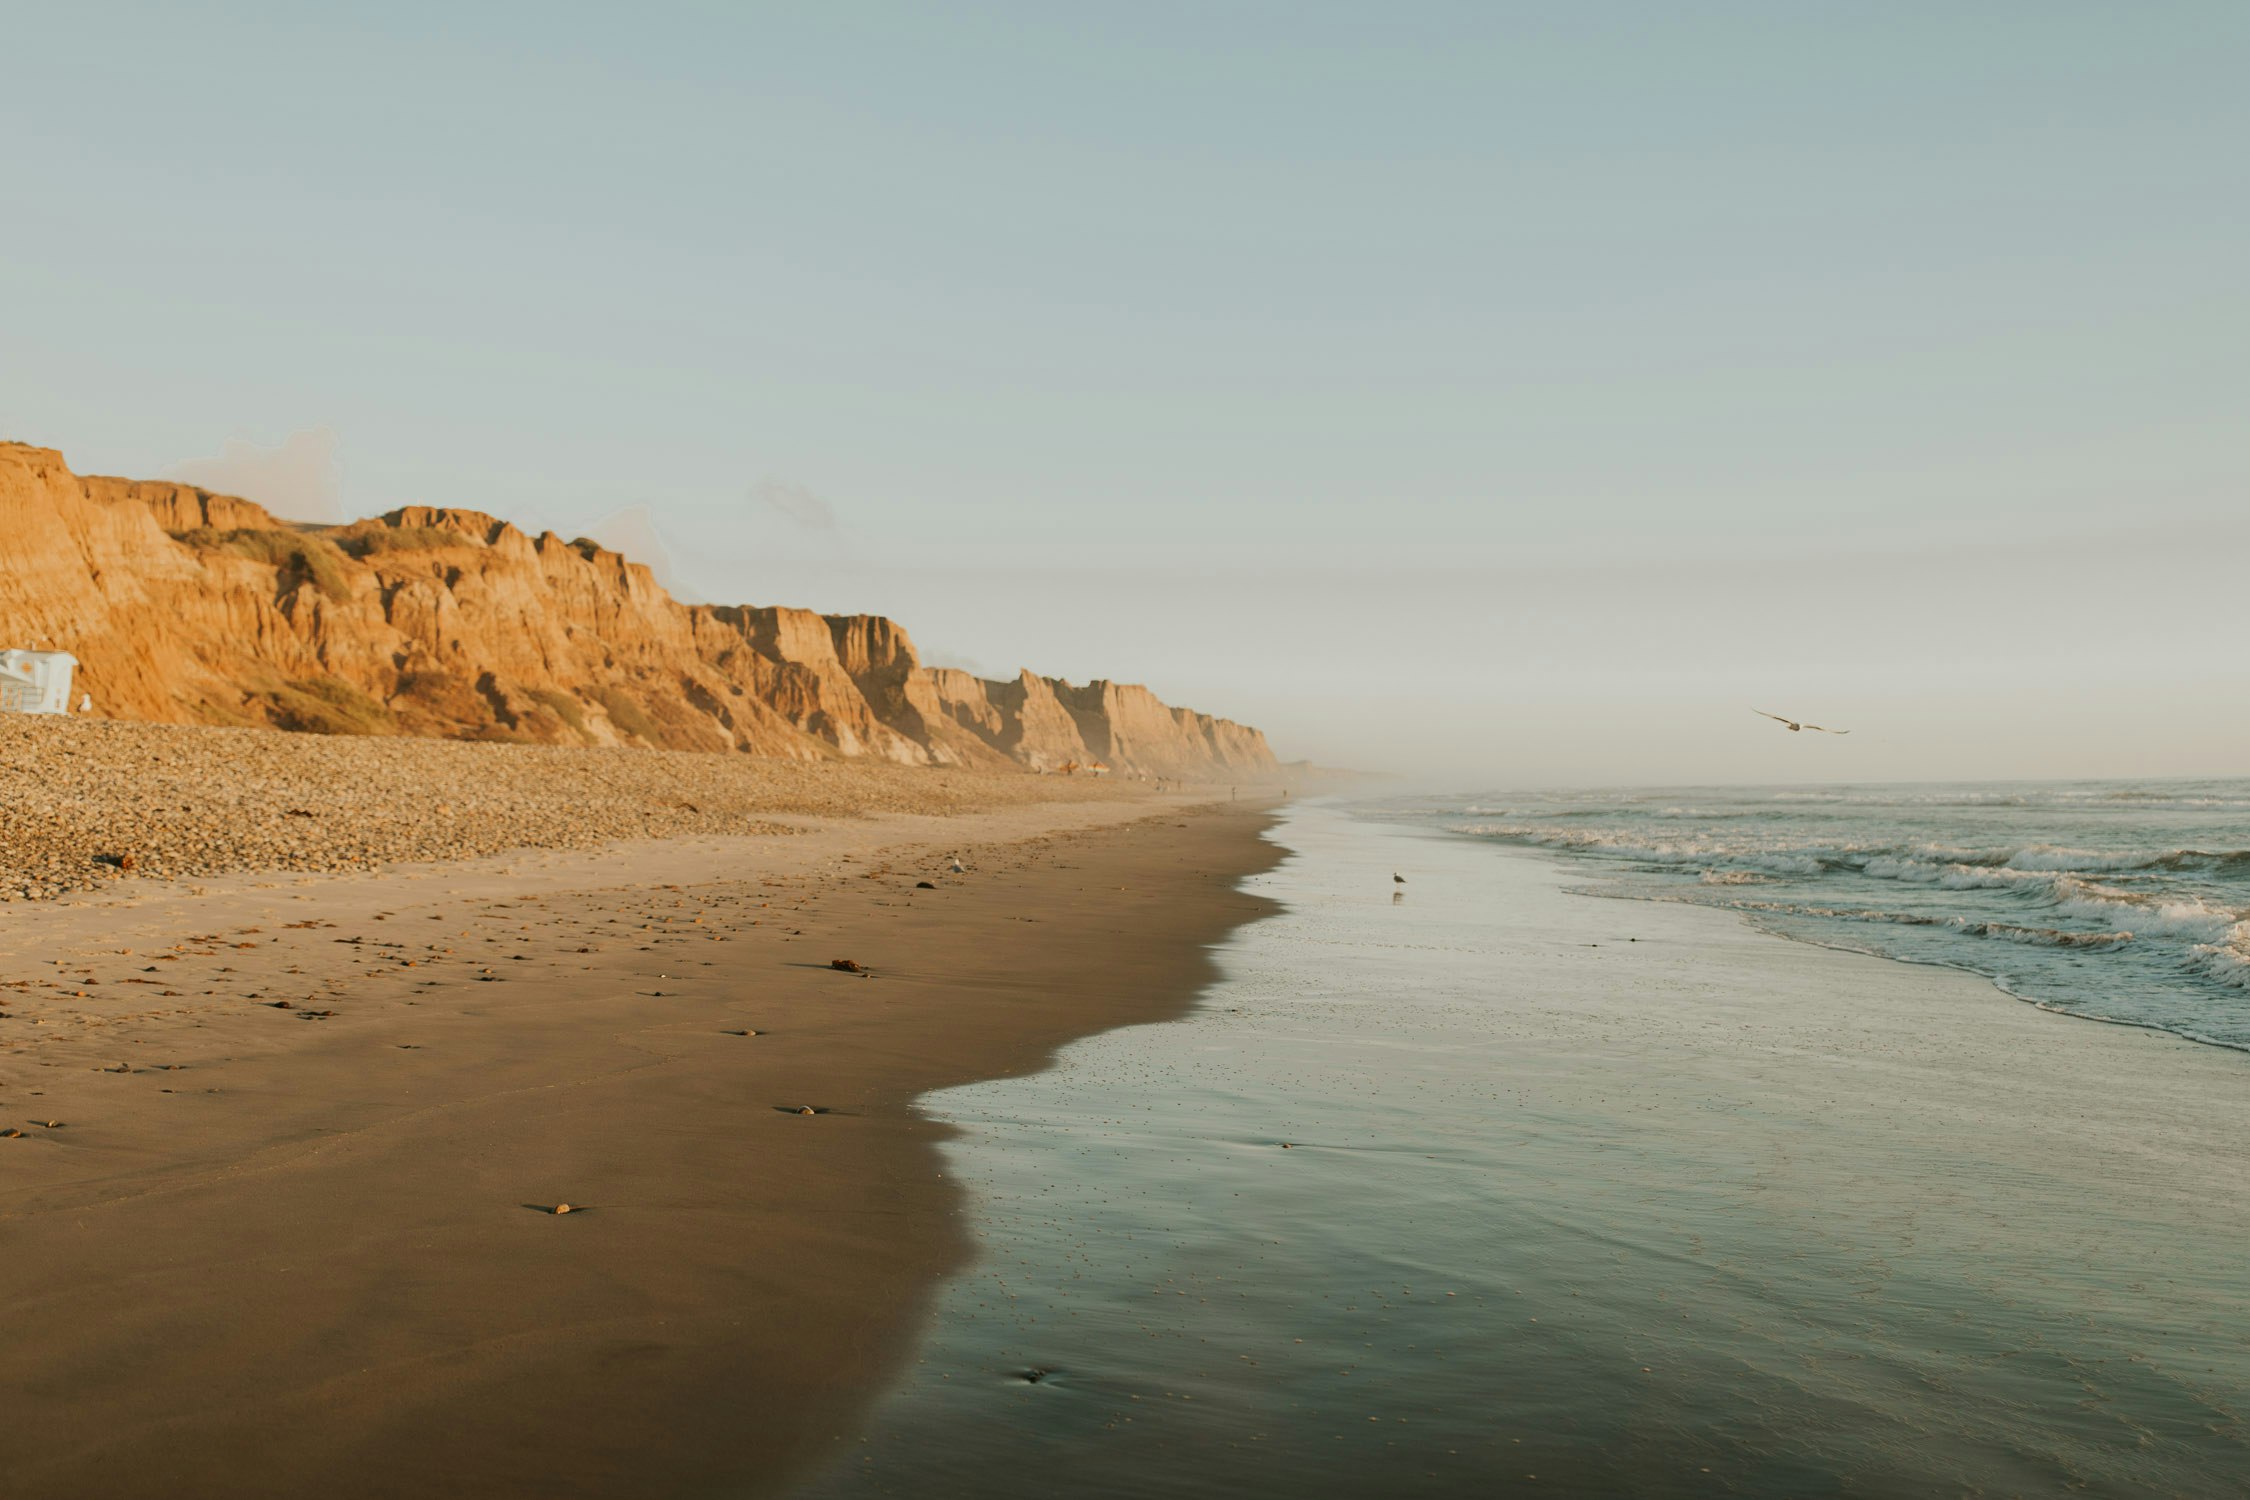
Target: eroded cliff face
186, 606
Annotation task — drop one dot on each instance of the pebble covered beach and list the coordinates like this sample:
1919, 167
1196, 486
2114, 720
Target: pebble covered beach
87, 803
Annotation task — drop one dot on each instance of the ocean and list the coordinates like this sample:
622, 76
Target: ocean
2122, 901
1470, 1184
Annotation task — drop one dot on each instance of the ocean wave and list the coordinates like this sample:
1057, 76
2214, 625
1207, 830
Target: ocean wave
2188, 917
2226, 963
2012, 932
1874, 799
1836, 913
2131, 902
2051, 857
2044, 937
1998, 878
1798, 860
2220, 927
1926, 862
2151, 798
1899, 867
1959, 866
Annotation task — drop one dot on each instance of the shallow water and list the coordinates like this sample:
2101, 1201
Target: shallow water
1582, 1197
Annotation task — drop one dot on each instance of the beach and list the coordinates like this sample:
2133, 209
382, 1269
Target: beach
89, 805
1478, 1185
1172, 1146
1127, 752
280, 1216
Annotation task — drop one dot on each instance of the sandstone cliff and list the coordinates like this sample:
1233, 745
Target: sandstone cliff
190, 607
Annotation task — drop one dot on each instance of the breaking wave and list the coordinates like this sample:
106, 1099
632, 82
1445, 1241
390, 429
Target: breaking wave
2130, 901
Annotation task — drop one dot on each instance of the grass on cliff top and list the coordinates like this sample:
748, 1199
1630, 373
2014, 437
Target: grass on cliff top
291, 554
327, 705
378, 538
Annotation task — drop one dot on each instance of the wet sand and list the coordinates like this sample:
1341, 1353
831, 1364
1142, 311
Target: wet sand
277, 1222
1582, 1197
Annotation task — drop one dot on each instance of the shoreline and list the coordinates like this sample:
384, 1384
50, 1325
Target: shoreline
1752, 921
1643, 1202
268, 1250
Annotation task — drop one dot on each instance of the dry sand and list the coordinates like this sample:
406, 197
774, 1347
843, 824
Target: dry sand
252, 1250
86, 804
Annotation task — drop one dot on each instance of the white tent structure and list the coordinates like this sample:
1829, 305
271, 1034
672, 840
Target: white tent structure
36, 682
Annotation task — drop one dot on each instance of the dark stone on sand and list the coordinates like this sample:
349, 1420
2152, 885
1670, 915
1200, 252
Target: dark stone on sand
925, 885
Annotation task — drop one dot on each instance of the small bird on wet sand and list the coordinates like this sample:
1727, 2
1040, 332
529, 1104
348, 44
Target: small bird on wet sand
1794, 725
957, 867
1397, 879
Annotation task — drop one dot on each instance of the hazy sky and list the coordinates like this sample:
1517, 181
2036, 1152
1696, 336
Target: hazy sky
1515, 392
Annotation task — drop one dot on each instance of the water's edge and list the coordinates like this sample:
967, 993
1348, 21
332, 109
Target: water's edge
1412, 1200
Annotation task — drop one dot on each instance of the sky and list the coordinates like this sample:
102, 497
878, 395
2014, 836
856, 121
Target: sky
1512, 394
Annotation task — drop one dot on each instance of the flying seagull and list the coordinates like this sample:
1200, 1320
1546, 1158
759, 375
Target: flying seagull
1794, 726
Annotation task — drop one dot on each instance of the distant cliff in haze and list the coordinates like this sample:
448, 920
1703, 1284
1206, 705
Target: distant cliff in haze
192, 607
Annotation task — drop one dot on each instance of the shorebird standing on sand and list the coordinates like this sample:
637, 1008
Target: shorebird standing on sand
1794, 726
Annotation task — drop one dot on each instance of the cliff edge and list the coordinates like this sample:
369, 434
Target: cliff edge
184, 606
